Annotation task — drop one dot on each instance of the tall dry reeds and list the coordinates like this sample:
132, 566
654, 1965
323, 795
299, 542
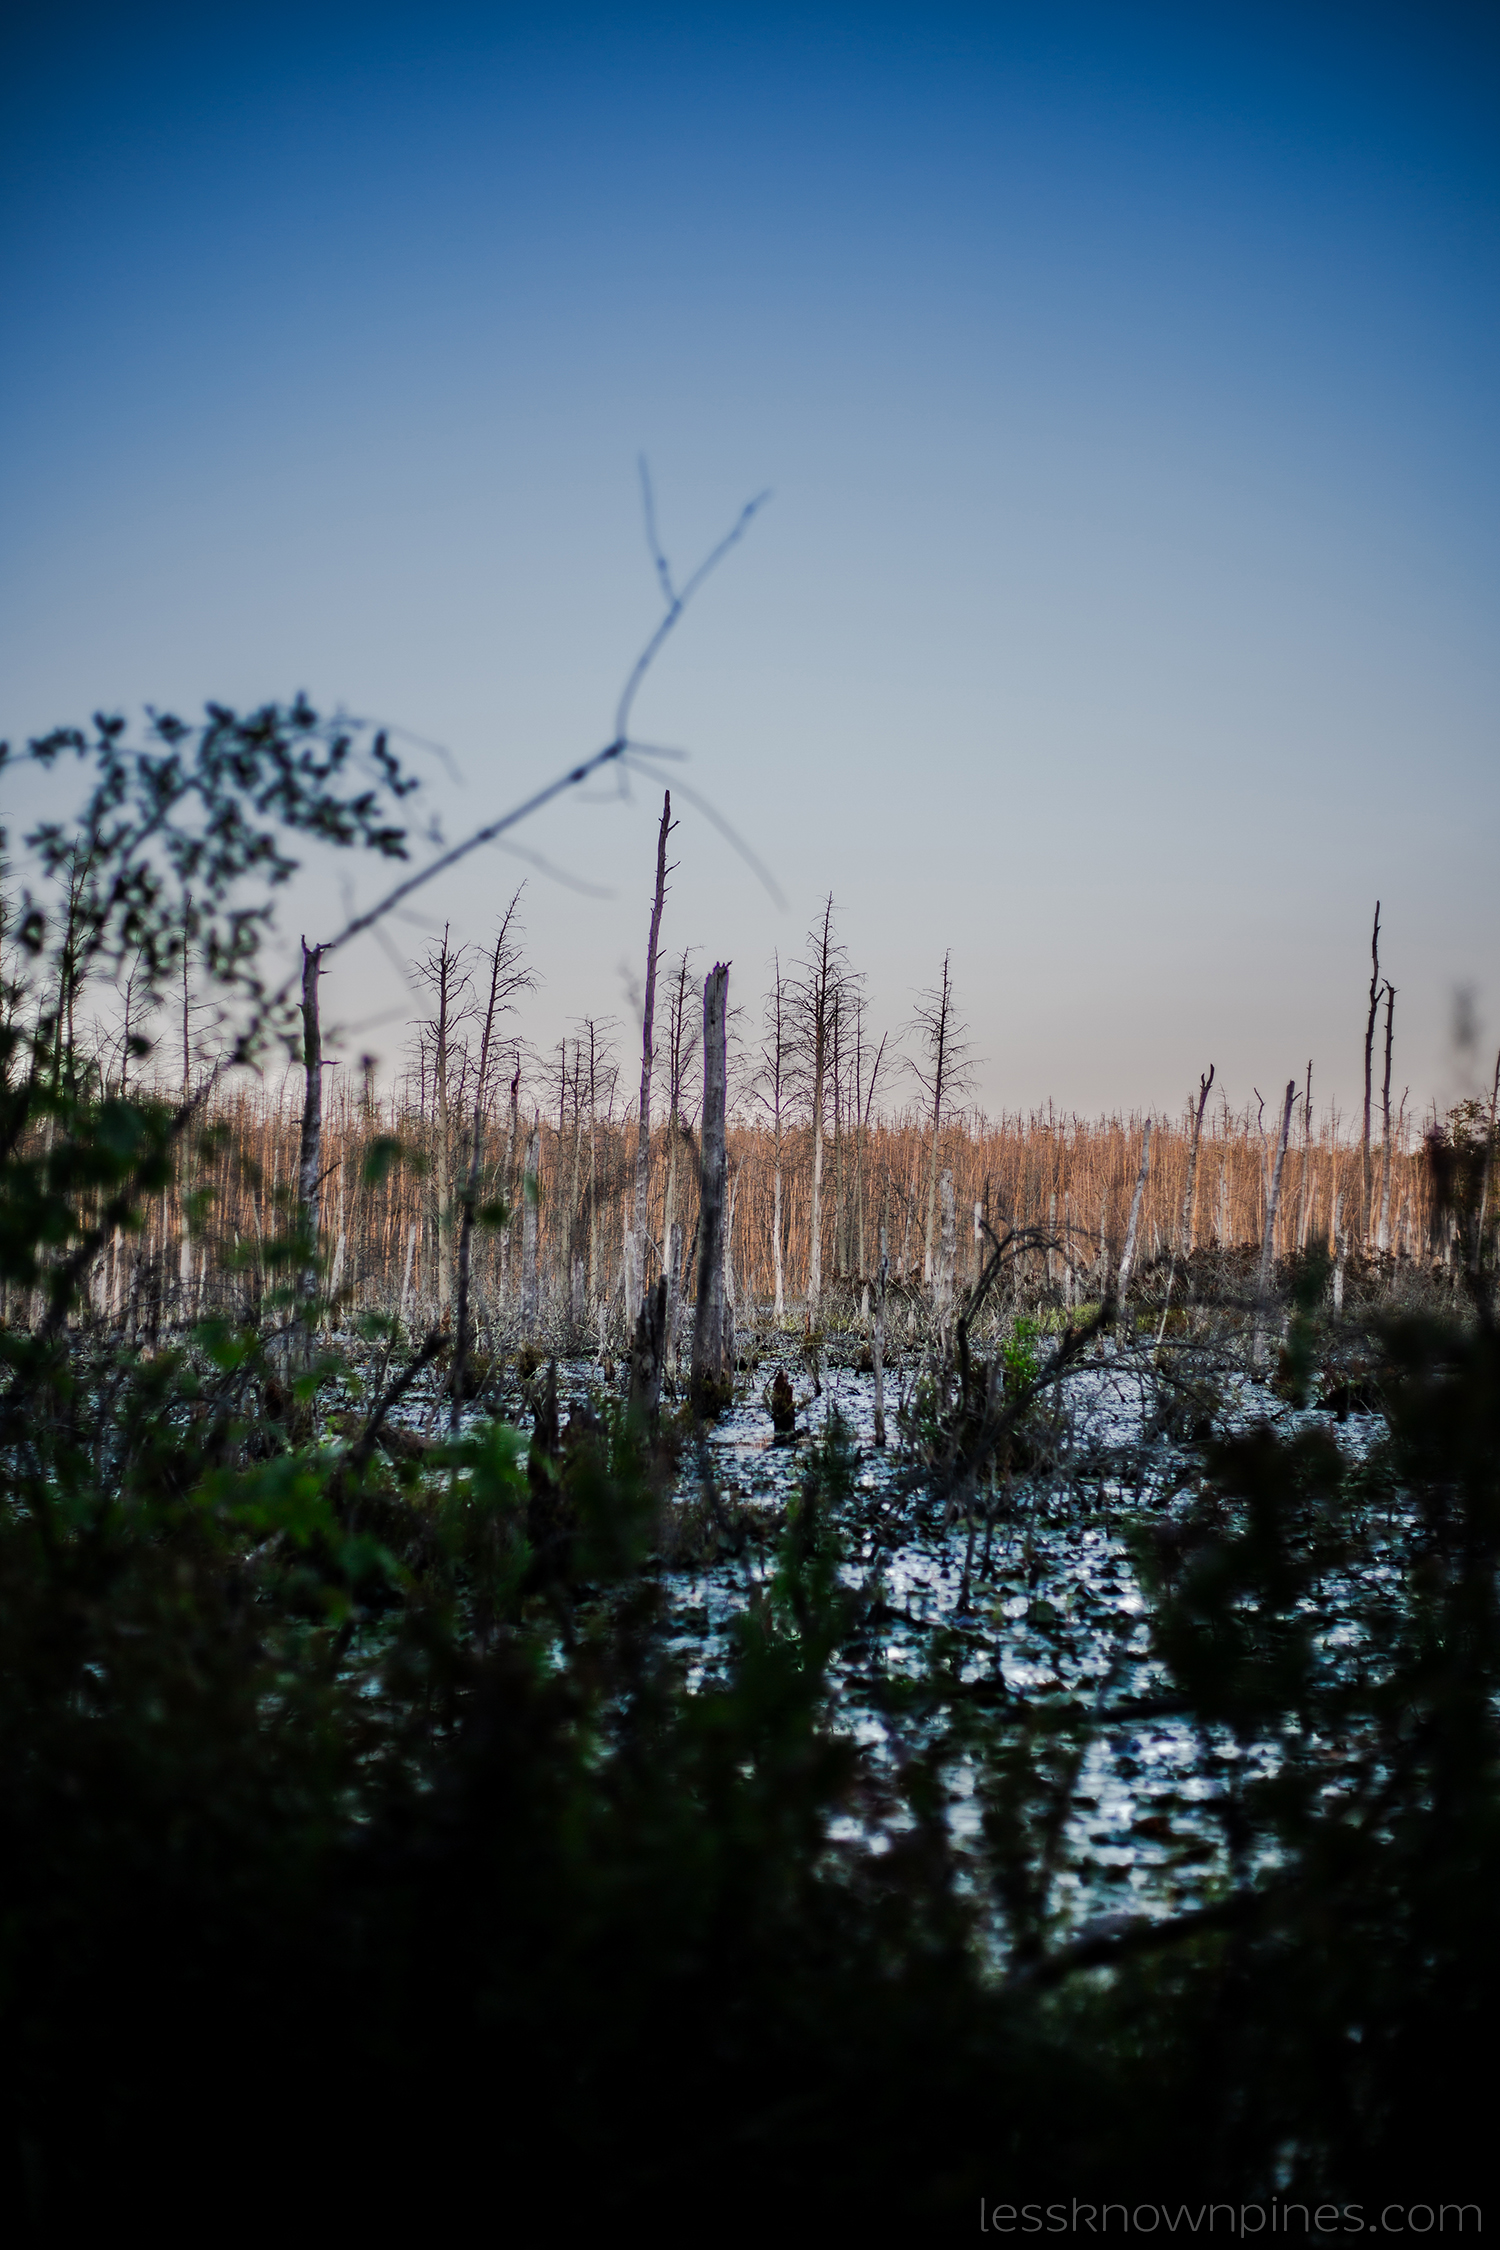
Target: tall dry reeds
566, 1173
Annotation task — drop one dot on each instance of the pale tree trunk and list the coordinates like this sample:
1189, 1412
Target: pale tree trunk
531, 1194
864, 1142
940, 1043
1383, 1238
1183, 1246
512, 1133
1069, 1289
942, 1293
501, 968
442, 1185
821, 990
1127, 1255
731, 1296
1369, 1060
310, 1151
906, 1211
1268, 1239
1304, 1208
411, 1254
877, 1342
340, 1247
1484, 1179
815, 1238
636, 1238
674, 1293
776, 1261
708, 1372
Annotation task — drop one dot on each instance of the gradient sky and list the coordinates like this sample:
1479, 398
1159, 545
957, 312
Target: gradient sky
1124, 617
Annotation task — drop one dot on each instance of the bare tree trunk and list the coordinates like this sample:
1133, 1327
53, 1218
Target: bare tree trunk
1383, 1238
531, 1191
907, 1206
1069, 1289
776, 1258
815, 1224
1268, 1239
442, 1185
1183, 1246
1127, 1255
636, 1240
411, 1253
648, 1352
674, 1294
942, 1290
310, 1152
504, 979
1369, 1059
821, 988
341, 1242
1185, 1228
1304, 1211
709, 1374
877, 1341
1484, 1177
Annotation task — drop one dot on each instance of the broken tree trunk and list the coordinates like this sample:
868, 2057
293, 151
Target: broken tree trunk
648, 1354
1183, 1247
1268, 1239
711, 1381
1127, 1255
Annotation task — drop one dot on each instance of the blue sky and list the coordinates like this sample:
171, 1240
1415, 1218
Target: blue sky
1124, 615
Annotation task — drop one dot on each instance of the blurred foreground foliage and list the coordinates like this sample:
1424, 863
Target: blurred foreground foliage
366, 1847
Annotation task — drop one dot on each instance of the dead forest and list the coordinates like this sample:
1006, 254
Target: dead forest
840, 1149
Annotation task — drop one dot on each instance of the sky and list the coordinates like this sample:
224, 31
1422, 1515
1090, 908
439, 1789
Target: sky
1121, 622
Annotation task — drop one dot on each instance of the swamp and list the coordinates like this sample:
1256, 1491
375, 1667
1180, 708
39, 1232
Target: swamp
633, 1667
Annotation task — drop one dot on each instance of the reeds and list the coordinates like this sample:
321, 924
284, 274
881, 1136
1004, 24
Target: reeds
209, 1245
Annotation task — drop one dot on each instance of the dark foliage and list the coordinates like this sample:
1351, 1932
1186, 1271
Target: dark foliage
364, 1851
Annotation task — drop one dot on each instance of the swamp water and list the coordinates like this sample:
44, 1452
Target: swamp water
1034, 1624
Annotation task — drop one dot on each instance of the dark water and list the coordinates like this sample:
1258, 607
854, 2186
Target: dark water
1044, 1617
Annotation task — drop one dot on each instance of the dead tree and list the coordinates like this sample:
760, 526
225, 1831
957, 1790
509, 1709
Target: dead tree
1183, 1247
636, 1240
310, 1150
1369, 1061
531, 1192
823, 971
680, 1050
1383, 1235
1127, 1255
862, 1109
942, 1285
772, 1087
943, 1070
444, 973
1304, 1206
711, 1380
1268, 1240
1484, 1177
507, 977
877, 1341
